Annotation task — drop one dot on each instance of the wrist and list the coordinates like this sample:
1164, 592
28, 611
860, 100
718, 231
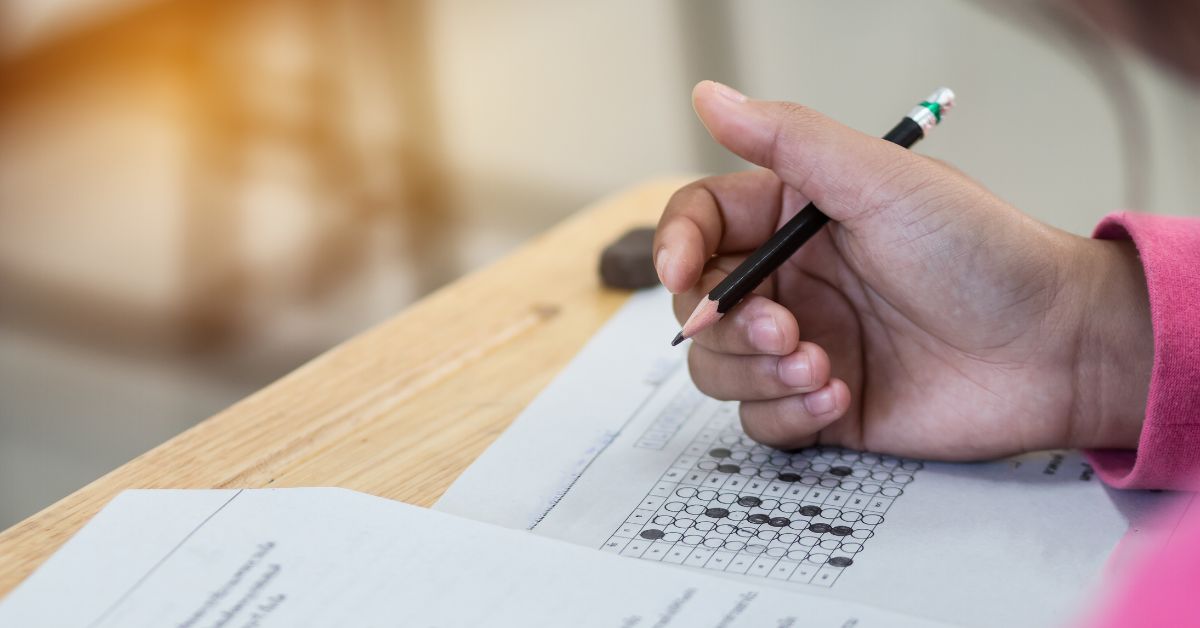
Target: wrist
1115, 352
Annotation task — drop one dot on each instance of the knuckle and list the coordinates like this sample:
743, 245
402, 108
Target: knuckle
795, 111
683, 194
794, 127
689, 201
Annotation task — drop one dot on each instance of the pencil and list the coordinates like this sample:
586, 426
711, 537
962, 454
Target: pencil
804, 225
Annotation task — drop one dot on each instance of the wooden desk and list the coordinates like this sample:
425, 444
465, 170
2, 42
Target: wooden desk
398, 411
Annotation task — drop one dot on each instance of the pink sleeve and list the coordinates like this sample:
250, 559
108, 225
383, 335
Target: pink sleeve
1168, 454
1156, 587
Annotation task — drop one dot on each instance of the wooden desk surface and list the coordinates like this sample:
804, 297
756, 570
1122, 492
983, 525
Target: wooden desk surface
398, 411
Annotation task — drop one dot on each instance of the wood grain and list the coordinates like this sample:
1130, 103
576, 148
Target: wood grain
400, 410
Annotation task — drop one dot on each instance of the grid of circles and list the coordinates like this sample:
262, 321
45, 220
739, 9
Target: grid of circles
777, 528
697, 516
747, 522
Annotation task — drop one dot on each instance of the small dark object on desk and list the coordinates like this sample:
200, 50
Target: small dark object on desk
628, 263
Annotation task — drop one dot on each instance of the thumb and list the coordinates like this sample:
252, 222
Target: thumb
844, 172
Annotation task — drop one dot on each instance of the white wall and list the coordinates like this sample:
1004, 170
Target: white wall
550, 104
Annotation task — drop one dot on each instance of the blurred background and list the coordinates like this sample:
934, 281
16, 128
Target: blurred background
196, 196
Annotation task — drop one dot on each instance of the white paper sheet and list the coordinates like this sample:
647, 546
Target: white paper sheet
622, 453
332, 557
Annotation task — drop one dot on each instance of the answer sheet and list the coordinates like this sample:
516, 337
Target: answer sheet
621, 453
333, 557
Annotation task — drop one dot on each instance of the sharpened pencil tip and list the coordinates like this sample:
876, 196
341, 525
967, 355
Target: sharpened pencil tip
678, 339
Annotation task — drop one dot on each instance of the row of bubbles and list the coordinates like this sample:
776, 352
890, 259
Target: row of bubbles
868, 487
846, 485
725, 530
711, 520
796, 467
785, 507
817, 554
740, 448
852, 546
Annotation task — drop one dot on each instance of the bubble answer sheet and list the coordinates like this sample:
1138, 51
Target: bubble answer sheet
623, 454
334, 557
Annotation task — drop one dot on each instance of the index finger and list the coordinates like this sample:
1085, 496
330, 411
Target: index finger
726, 213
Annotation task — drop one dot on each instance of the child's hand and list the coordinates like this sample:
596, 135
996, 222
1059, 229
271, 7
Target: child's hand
931, 319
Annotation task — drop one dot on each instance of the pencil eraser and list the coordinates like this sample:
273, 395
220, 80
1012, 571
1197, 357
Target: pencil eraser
628, 263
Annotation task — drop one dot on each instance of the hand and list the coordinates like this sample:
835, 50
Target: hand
929, 319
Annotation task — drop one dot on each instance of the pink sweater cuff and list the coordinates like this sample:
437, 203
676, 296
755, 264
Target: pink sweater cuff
1168, 453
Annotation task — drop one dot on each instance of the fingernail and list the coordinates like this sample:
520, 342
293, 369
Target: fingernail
820, 402
765, 335
662, 263
729, 92
796, 370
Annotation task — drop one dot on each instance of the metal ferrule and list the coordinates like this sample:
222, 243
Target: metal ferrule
929, 113
923, 117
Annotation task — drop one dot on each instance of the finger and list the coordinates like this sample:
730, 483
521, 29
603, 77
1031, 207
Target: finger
757, 326
794, 421
775, 331
758, 377
715, 271
720, 214
845, 172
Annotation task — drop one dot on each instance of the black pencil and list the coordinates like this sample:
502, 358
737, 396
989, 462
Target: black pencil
800, 228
